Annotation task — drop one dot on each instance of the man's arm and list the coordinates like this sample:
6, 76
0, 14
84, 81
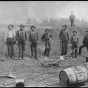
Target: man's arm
5, 36
84, 40
78, 39
25, 36
17, 35
29, 38
68, 36
71, 39
51, 37
43, 38
60, 34
37, 36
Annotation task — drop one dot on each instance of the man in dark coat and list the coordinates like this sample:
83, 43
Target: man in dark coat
64, 39
72, 18
10, 39
46, 38
85, 43
33, 41
22, 39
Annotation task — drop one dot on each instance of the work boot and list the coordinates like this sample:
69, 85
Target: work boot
36, 58
8, 57
20, 58
79, 53
12, 57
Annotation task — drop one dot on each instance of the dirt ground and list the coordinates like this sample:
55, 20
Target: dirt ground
35, 73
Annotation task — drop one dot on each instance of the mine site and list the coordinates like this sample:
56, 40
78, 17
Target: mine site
43, 44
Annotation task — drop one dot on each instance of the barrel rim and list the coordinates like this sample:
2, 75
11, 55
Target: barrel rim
59, 76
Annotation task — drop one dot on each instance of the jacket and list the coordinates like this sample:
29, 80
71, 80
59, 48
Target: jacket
46, 37
85, 40
33, 37
74, 40
72, 17
19, 37
64, 36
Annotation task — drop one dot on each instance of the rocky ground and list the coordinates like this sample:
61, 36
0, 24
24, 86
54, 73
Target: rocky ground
33, 71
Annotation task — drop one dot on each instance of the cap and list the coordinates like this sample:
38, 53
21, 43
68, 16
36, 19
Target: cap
10, 25
74, 31
32, 26
65, 26
47, 29
21, 25
86, 30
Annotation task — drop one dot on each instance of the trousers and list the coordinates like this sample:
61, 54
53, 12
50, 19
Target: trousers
33, 49
21, 45
64, 47
72, 22
82, 46
74, 47
10, 47
47, 49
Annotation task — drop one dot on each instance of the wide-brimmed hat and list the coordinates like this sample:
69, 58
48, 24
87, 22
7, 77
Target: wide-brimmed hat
74, 31
86, 30
21, 25
47, 30
32, 26
10, 25
65, 26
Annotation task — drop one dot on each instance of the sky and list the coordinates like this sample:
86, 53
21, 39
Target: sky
18, 11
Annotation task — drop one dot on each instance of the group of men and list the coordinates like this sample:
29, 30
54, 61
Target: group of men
20, 38
73, 40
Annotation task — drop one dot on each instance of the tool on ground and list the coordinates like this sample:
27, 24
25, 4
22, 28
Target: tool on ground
62, 57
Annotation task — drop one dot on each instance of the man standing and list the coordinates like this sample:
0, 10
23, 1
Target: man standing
72, 17
33, 41
74, 40
46, 38
22, 39
10, 41
64, 38
85, 43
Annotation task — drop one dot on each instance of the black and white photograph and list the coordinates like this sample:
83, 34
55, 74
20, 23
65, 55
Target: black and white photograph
43, 43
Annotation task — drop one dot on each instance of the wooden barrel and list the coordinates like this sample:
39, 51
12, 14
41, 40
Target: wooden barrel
73, 76
86, 59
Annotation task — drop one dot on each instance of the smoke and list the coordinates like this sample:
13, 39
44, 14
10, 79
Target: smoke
19, 10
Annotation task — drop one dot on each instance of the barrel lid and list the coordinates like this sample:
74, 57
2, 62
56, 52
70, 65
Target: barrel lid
63, 77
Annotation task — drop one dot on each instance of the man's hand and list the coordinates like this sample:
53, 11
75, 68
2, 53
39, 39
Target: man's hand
37, 42
16, 42
68, 41
5, 42
78, 45
44, 42
51, 40
26, 42
30, 43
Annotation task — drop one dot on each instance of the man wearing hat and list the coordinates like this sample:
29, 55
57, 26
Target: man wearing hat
85, 42
10, 39
74, 40
46, 38
33, 41
22, 39
72, 17
64, 38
